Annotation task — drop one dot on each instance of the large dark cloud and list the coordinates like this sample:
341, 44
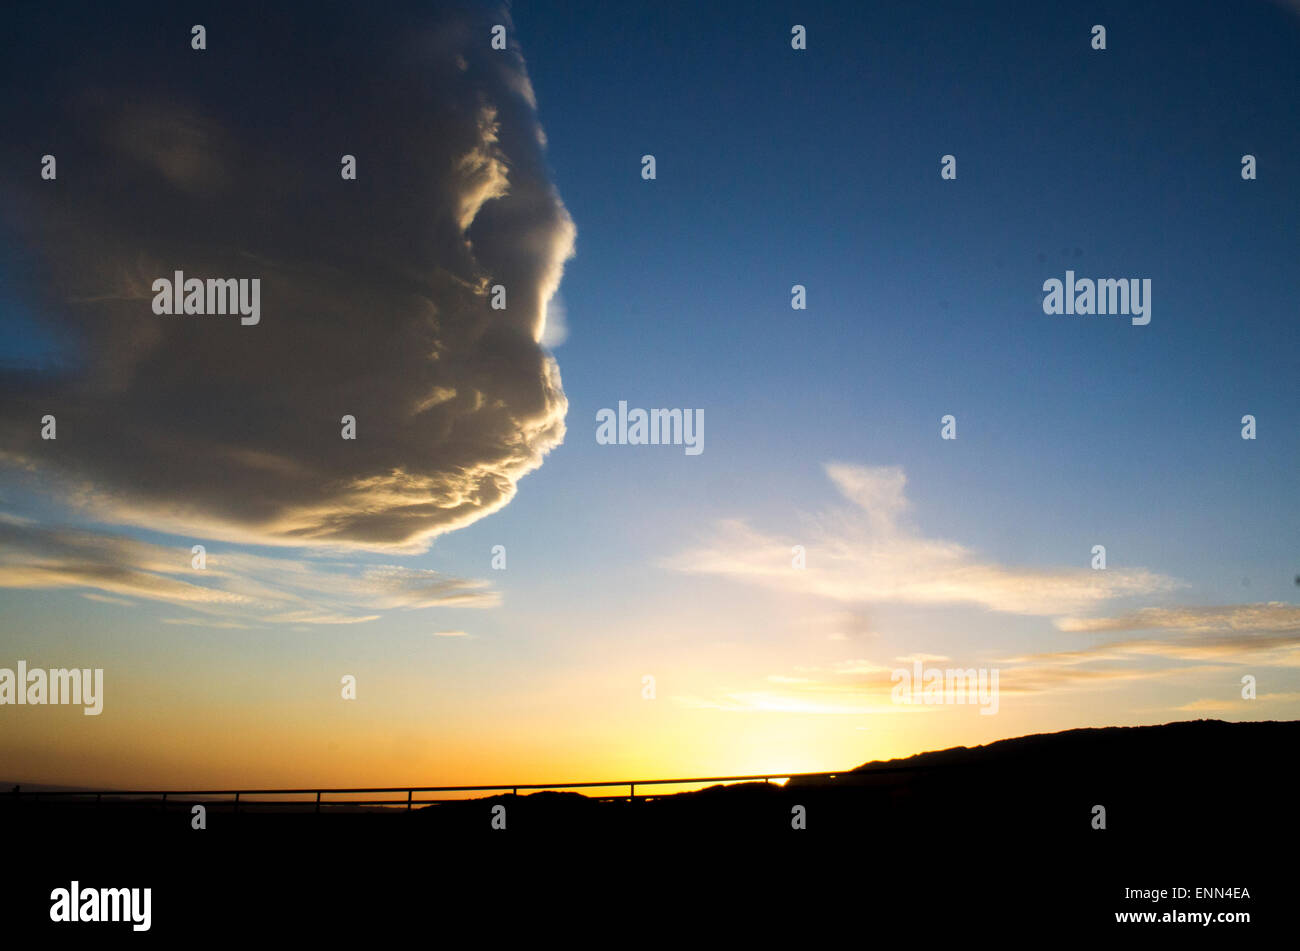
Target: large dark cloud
225, 163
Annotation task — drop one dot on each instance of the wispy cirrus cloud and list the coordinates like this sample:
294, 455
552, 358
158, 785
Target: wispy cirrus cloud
1273, 617
1202, 645
236, 586
1219, 705
803, 701
846, 688
872, 553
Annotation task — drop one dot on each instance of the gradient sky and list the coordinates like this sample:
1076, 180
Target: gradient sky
775, 167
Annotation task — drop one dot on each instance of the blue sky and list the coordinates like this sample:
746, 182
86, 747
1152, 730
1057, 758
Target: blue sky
779, 167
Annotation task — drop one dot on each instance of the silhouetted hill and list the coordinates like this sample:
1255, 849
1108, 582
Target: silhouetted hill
1004, 832
1170, 741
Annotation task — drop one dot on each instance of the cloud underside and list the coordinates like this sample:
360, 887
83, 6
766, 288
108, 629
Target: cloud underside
870, 553
375, 293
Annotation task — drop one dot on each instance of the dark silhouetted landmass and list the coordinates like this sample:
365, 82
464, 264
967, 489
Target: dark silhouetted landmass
1004, 830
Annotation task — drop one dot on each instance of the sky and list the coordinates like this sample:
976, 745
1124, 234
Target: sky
376, 558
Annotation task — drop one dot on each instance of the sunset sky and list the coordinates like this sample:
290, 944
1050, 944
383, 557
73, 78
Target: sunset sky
476, 427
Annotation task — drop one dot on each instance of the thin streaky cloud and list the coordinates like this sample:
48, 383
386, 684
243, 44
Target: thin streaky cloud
872, 553
252, 587
1271, 617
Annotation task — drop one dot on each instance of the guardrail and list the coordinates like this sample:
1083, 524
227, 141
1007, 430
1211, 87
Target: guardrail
242, 796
